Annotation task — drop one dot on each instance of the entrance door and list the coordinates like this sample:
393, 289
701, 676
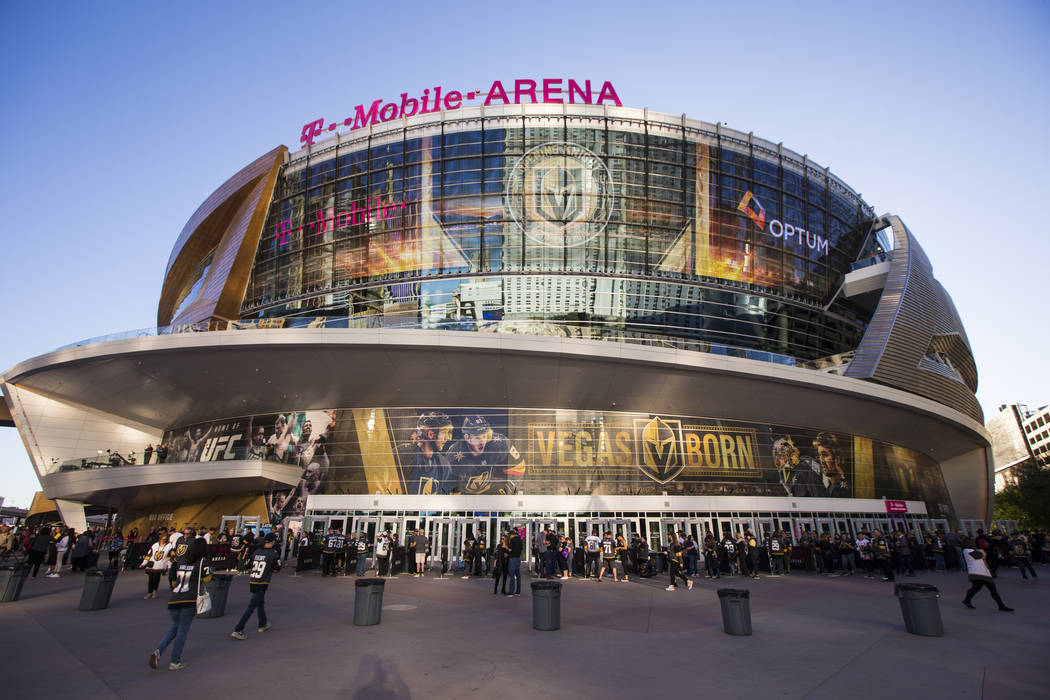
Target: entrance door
521, 524
863, 525
366, 526
842, 526
725, 527
940, 524
669, 525
825, 525
625, 527
743, 524
765, 529
338, 522
437, 533
801, 526
599, 524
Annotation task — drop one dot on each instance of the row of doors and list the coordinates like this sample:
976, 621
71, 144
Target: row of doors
448, 534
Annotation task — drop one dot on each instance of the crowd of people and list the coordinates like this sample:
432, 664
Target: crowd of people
185, 557
598, 557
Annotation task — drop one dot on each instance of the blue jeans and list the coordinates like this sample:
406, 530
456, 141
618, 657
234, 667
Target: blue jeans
181, 619
548, 563
849, 561
361, 561
256, 603
514, 574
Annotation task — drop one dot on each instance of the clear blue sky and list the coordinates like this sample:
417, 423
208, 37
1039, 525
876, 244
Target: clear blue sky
121, 118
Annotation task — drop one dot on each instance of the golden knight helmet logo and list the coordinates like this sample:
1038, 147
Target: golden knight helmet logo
658, 444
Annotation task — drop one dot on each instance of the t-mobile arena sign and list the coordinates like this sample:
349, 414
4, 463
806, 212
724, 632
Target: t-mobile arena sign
547, 90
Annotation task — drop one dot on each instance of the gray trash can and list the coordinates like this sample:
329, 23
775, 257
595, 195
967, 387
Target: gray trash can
368, 601
920, 608
546, 605
98, 587
12, 576
219, 590
736, 610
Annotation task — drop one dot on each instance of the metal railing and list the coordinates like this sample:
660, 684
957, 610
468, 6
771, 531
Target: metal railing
562, 329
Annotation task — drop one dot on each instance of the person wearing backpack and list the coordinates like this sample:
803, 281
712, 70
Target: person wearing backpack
752, 553
1022, 554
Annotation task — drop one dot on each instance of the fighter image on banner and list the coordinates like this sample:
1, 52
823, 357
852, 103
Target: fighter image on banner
295, 440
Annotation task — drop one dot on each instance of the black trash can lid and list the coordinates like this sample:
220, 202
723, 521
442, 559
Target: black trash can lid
546, 586
733, 593
362, 582
914, 588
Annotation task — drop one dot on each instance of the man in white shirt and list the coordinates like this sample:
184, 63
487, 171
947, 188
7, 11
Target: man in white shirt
593, 546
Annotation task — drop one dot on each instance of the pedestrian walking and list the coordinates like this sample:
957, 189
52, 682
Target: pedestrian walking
264, 562
980, 576
190, 570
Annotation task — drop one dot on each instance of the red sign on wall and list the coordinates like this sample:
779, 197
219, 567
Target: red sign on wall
896, 507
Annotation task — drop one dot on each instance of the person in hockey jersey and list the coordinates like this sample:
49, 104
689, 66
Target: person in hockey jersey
334, 542
264, 561
190, 570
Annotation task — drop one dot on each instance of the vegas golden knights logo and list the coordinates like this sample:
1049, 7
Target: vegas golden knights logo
181, 549
658, 448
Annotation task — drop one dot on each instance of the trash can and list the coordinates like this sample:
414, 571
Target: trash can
12, 576
736, 610
919, 606
98, 587
368, 601
219, 590
546, 605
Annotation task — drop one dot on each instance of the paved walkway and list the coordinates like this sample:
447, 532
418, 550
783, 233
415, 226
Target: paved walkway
814, 637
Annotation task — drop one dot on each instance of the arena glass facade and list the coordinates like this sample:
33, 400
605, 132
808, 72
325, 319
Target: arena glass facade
605, 229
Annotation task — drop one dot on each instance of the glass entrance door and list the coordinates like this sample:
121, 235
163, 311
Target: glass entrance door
863, 525
669, 525
524, 527
366, 526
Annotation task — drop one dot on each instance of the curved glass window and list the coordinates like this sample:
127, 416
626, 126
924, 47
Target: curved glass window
608, 224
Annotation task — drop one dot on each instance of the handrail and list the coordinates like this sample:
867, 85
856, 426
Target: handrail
566, 329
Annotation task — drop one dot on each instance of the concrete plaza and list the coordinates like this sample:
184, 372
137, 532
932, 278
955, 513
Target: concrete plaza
814, 637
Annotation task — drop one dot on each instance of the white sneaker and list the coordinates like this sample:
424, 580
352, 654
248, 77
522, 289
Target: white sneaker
264, 628
670, 588
564, 577
238, 635
52, 575
689, 584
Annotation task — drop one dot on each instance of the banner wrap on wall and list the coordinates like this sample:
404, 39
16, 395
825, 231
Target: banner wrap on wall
509, 451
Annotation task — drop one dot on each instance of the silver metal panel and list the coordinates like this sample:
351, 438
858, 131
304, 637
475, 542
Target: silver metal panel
173, 381
125, 486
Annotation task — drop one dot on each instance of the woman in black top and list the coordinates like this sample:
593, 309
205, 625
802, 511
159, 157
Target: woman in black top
674, 562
